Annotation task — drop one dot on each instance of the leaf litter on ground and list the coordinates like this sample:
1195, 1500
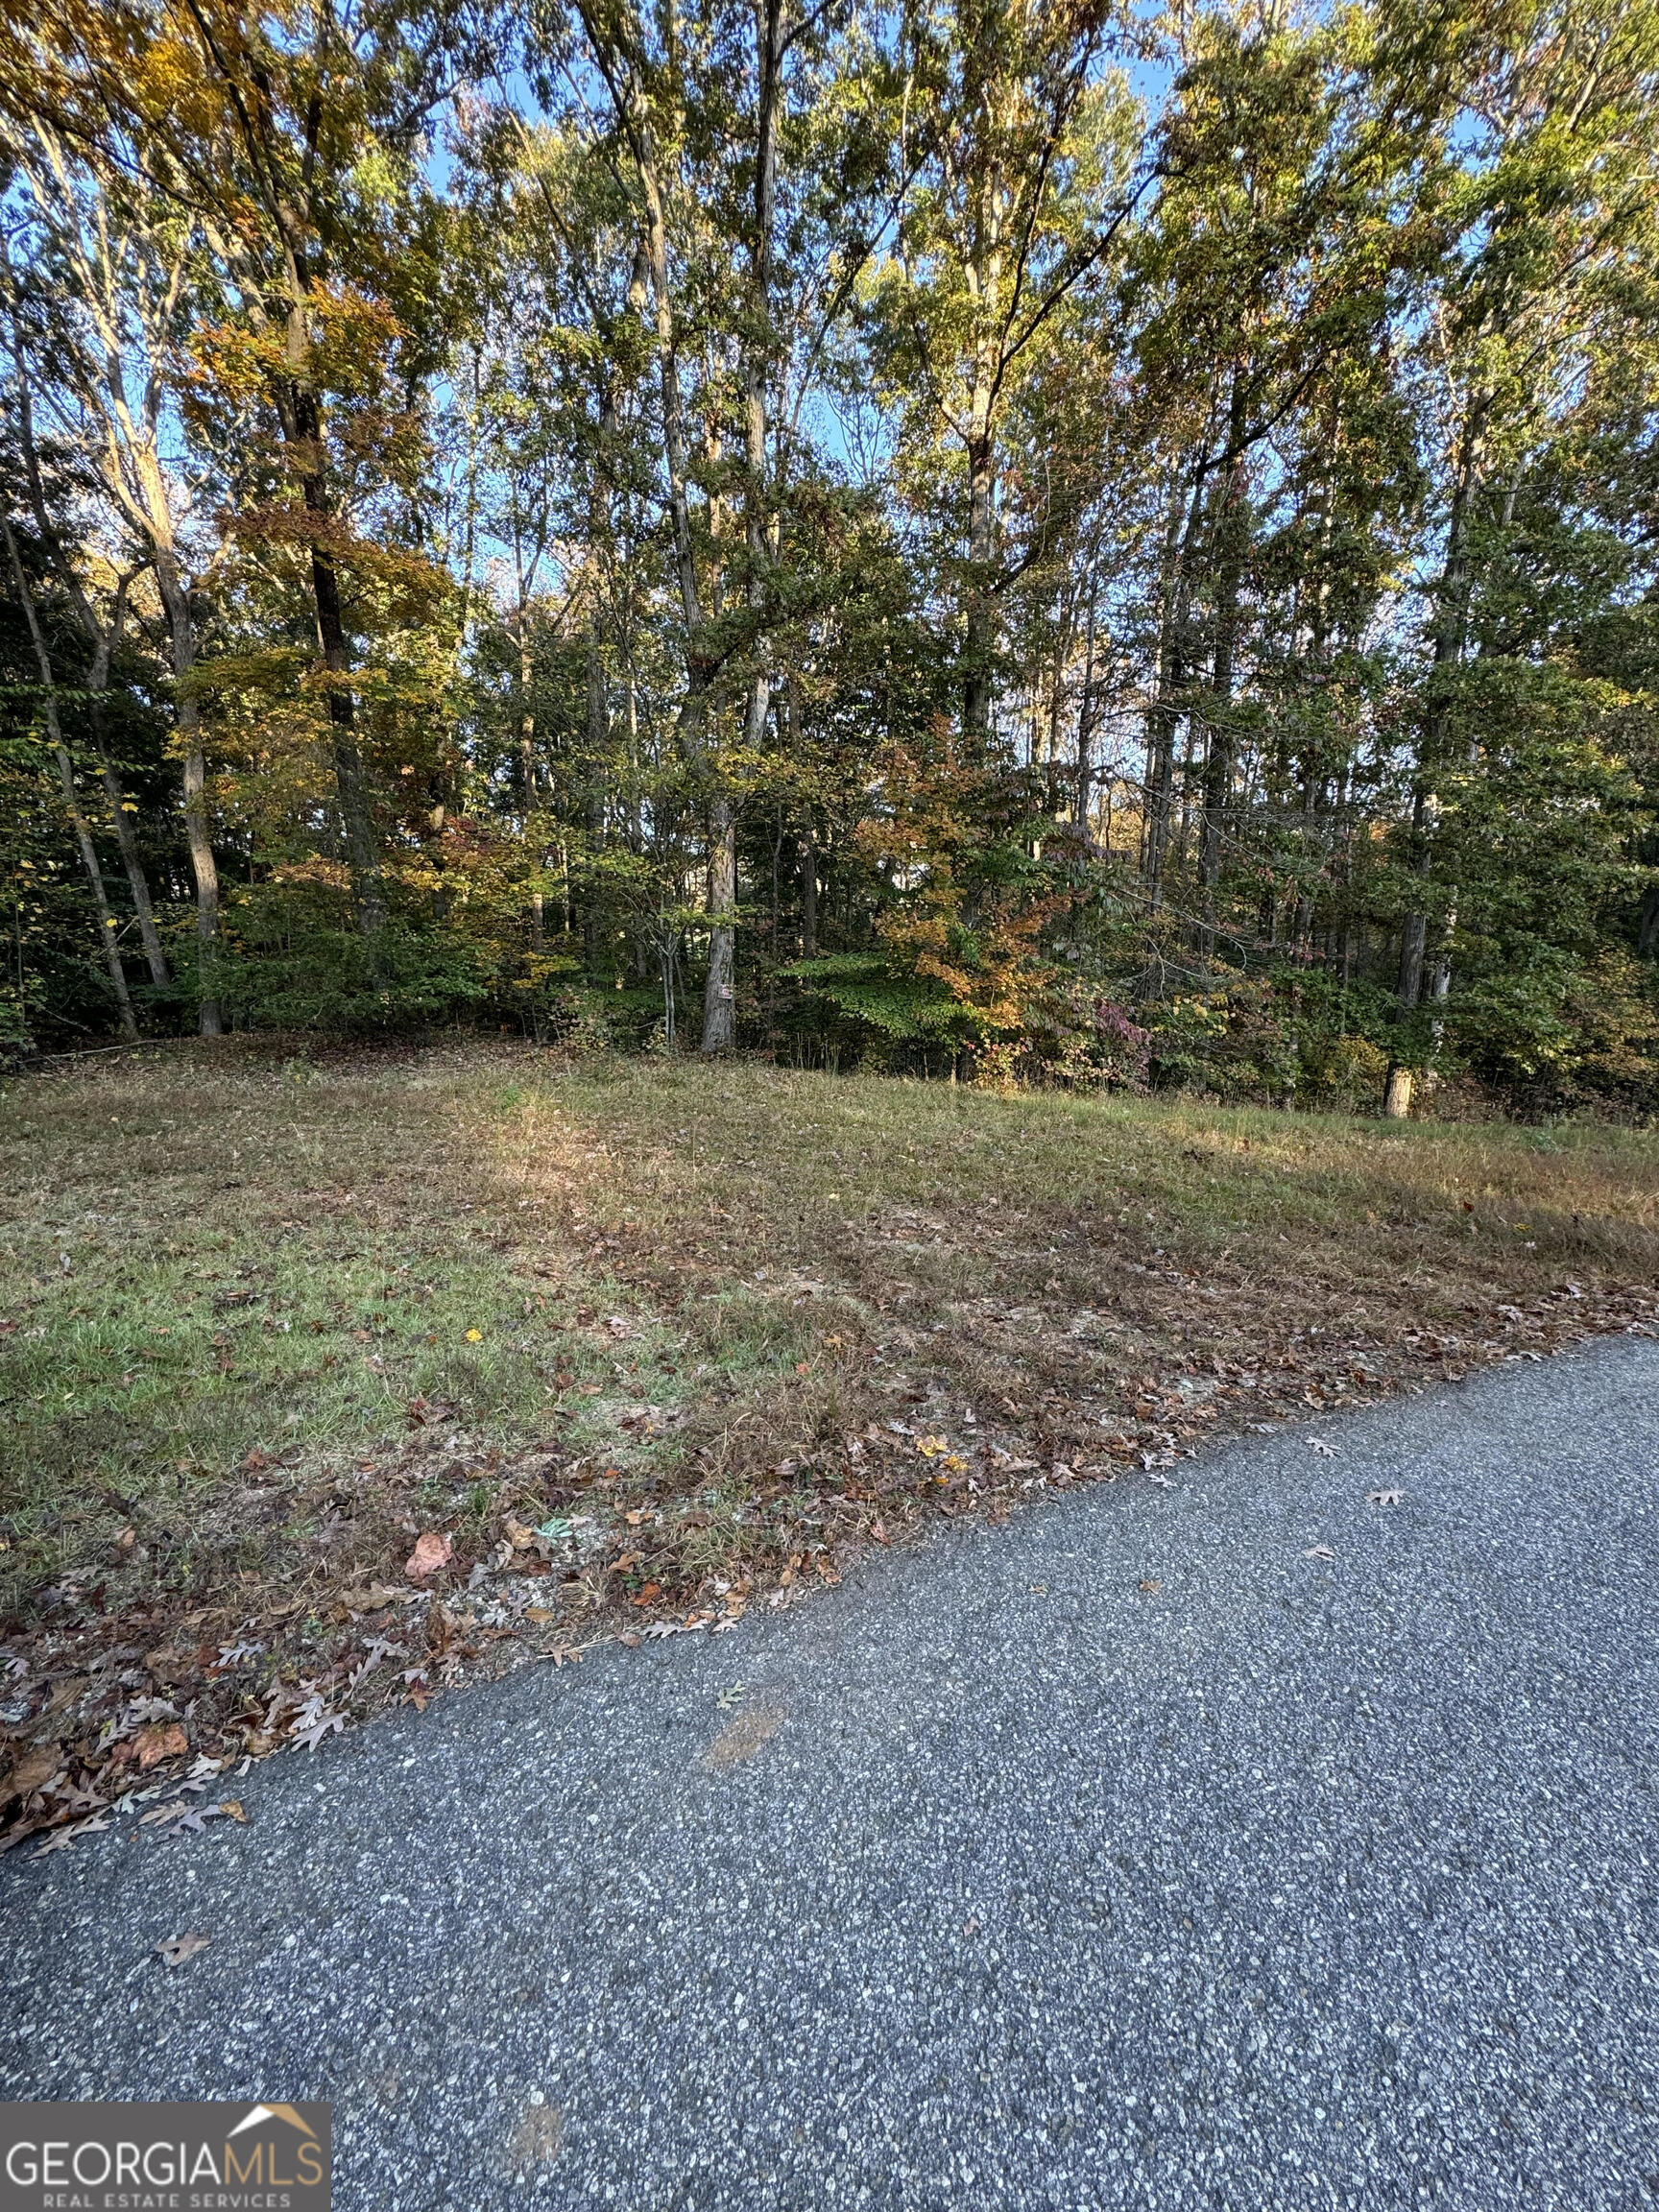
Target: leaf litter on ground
688, 1485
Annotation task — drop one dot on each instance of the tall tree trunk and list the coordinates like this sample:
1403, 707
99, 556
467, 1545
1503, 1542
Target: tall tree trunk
978, 618
149, 937
719, 997
1415, 926
105, 636
807, 846
203, 868
598, 722
613, 57
106, 937
1232, 527
350, 782
1086, 728
102, 639
1179, 542
809, 894
1450, 619
719, 1003
526, 722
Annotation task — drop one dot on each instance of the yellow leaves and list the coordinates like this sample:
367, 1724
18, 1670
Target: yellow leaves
938, 1451
231, 365
474, 1336
332, 875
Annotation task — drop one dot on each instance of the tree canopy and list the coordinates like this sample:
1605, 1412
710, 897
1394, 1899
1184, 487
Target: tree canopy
1026, 541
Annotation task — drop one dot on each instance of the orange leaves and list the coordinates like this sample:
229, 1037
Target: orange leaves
347, 343
974, 903
157, 1743
430, 1555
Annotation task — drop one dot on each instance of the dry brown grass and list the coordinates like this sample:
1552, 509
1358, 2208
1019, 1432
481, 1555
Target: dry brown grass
678, 1333
1063, 1267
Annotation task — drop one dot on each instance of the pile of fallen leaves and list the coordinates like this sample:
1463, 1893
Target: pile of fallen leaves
142, 1685
139, 1680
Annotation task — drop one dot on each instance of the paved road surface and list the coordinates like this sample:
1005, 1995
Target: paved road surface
1290, 1883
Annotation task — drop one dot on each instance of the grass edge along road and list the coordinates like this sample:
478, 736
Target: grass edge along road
331, 1380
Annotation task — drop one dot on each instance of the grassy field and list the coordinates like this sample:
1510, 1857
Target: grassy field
638, 1342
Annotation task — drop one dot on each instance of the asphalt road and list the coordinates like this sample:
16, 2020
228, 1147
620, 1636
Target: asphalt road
1006, 1881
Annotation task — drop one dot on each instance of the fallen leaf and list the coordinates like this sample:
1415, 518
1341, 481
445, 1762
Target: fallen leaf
540, 1615
308, 1739
63, 1839
31, 1772
474, 1336
1318, 1552
369, 1600
1383, 1496
1152, 1587
430, 1555
157, 1743
193, 1820
1319, 1445
175, 1950
878, 1532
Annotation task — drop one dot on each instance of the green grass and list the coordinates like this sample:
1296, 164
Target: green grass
209, 1254
643, 1339
196, 1273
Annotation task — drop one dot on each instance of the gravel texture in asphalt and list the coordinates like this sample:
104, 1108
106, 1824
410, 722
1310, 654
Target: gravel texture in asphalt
1136, 1853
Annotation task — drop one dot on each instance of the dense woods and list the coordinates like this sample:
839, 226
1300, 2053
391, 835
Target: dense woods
1028, 541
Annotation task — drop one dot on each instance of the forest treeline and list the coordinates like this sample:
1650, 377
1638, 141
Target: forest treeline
1029, 538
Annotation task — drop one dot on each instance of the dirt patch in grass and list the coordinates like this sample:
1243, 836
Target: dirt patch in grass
643, 1342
